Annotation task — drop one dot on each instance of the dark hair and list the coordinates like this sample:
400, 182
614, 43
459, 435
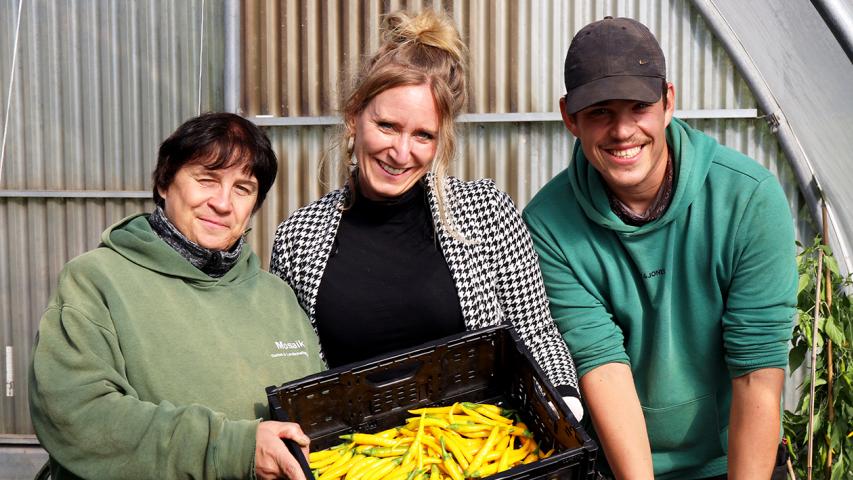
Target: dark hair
216, 141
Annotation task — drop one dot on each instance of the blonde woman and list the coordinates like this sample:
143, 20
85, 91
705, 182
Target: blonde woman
403, 253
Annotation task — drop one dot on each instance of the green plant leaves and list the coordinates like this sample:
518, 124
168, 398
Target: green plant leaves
839, 470
804, 283
796, 356
818, 420
833, 438
833, 331
829, 262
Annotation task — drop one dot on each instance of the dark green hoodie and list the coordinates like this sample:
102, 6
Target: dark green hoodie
145, 367
699, 296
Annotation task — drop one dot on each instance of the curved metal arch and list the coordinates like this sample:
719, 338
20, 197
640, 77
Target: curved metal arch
801, 77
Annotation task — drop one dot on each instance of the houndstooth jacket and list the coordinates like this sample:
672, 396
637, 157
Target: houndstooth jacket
496, 271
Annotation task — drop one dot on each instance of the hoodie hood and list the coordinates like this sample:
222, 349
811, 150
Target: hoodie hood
692, 154
133, 239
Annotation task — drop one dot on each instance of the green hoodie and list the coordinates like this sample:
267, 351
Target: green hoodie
704, 294
145, 367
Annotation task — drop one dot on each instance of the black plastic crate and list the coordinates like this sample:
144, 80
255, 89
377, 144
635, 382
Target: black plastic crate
490, 365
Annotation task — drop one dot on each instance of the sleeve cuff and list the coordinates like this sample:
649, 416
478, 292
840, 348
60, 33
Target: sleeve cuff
571, 397
235, 449
568, 391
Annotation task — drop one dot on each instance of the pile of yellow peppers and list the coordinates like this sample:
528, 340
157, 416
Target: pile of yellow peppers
461, 441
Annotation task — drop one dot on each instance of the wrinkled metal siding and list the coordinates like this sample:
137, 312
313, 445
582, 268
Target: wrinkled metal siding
98, 85
300, 152
521, 157
298, 54
517, 53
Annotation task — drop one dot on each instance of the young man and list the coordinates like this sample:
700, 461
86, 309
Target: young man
670, 266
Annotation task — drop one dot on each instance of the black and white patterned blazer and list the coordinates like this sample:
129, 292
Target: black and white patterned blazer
496, 271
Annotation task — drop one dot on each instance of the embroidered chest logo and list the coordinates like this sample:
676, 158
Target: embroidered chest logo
656, 273
285, 348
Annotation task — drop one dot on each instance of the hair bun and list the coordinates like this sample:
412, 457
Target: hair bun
430, 28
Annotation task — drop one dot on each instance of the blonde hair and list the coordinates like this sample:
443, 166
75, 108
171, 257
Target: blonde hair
422, 49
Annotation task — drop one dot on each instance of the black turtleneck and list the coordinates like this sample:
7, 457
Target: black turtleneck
386, 285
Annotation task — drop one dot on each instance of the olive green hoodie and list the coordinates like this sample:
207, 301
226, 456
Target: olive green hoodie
145, 367
699, 296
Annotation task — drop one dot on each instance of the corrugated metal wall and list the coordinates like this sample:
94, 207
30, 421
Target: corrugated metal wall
97, 86
298, 54
297, 51
100, 84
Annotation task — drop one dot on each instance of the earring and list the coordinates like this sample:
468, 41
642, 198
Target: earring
350, 144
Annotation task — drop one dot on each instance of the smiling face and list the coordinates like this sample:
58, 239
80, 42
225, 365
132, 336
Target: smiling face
211, 207
625, 141
395, 140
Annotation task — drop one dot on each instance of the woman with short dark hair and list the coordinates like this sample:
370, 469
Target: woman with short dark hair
152, 357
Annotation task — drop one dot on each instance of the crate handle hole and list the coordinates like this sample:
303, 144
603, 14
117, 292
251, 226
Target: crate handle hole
394, 375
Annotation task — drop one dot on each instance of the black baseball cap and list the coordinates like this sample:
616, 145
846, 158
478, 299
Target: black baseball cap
613, 59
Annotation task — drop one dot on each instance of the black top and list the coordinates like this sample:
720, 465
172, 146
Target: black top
386, 285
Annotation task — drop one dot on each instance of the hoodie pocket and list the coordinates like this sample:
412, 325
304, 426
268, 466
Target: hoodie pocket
685, 435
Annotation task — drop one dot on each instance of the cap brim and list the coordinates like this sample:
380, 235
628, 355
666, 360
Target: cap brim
620, 87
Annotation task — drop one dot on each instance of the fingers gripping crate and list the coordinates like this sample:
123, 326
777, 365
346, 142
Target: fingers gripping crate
490, 365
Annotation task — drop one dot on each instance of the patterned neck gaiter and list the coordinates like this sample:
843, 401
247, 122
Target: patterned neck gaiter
655, 210
214, 263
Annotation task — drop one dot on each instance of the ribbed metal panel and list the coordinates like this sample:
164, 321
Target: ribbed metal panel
297, 53
517, 52
100, 84
520, 157
300, 152
97, 86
